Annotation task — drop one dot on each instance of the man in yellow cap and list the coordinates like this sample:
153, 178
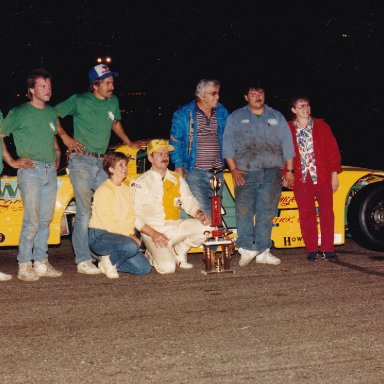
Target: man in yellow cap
159, 195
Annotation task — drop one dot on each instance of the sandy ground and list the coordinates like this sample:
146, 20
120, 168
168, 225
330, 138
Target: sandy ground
298, 322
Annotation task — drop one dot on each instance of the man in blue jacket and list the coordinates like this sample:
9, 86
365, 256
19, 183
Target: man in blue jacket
197, 136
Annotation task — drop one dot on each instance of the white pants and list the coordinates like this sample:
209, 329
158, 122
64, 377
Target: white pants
183, 233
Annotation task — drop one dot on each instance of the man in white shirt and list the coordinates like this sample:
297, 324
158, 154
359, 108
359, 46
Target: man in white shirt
159, 195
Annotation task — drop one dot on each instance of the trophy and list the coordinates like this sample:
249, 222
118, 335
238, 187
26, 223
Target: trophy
217, 261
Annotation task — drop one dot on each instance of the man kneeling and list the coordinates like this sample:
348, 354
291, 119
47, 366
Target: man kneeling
158, 196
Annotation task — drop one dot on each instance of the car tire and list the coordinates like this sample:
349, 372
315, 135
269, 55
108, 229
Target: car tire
366, 217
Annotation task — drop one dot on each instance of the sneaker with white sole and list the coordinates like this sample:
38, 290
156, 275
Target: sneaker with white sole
246, 256
107, 268
5, 276
180, 252
26, 272
183, 264
267, 258
88, 268
45, 269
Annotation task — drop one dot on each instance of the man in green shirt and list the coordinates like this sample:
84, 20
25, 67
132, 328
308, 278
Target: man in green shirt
95, 115
34, 126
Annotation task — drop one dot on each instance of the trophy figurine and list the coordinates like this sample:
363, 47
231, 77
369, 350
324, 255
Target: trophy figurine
217, 261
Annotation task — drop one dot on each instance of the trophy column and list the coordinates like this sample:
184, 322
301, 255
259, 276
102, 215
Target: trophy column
217, 261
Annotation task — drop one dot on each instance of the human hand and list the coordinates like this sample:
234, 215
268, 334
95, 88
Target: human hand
23, 162
139, 143
180, 171
159, 239
238, 176
204, 218
72, 144
288, 180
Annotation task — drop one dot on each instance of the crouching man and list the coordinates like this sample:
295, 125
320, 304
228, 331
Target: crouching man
158, 195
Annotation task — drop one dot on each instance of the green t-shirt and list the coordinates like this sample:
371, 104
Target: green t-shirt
92, 119
33, 131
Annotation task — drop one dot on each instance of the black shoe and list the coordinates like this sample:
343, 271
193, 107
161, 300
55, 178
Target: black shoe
312, 256
329, 256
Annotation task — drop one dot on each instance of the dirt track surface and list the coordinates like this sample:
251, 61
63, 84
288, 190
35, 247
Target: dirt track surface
298, 322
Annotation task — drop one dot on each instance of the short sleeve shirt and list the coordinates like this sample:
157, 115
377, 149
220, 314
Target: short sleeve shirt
33, 131
92, 119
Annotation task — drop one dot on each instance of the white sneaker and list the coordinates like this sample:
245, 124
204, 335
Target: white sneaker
5, 276
267, 258
44, 269
88, 268
181, 256
183, 264
26, 272
246, 256
107, 268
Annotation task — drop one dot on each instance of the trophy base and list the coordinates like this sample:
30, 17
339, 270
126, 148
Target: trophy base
217, 262
214, 272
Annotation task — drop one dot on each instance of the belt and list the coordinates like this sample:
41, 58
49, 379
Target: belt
86, 153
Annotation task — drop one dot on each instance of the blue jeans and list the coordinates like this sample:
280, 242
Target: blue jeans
38, 188
258, 196
198, 182
86, 174
122, 250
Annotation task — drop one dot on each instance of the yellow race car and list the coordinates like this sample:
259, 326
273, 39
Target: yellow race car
358, 208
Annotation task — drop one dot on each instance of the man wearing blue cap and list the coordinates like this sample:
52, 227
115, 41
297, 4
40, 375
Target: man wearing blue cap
95, 115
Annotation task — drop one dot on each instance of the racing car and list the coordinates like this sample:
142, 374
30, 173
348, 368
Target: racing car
358, 207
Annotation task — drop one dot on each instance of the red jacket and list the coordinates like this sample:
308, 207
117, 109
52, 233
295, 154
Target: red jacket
327, 154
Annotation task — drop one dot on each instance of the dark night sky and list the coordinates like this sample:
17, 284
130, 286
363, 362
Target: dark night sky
330, 50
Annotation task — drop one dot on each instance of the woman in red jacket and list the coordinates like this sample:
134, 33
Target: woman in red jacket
316, 166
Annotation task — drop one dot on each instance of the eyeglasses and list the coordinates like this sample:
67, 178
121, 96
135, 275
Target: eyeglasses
214, 93
303, 106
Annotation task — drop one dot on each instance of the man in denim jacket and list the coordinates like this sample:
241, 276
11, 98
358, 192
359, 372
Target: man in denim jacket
257, 145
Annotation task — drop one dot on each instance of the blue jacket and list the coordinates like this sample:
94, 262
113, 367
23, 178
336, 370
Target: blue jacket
184, 134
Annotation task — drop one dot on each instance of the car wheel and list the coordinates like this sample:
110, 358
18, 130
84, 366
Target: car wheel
366, 217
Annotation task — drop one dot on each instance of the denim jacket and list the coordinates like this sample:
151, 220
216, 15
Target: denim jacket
184, 134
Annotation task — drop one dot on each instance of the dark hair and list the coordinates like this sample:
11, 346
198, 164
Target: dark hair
110, 160
256, 86
95, 83
33, 75
293, 101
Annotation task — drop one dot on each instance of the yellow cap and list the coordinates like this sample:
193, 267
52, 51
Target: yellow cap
158, 145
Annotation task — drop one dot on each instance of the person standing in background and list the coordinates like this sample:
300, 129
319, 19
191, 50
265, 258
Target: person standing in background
257, 145
95, 114
197, 137
316, 165
34, 126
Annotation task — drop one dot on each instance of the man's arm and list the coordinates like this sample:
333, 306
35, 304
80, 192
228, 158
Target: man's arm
117, 127
158, 238
237, 174
58, 153
23, 162
176, 139
288, 178
69, 142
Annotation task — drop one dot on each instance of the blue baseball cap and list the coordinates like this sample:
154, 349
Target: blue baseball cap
100, 72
